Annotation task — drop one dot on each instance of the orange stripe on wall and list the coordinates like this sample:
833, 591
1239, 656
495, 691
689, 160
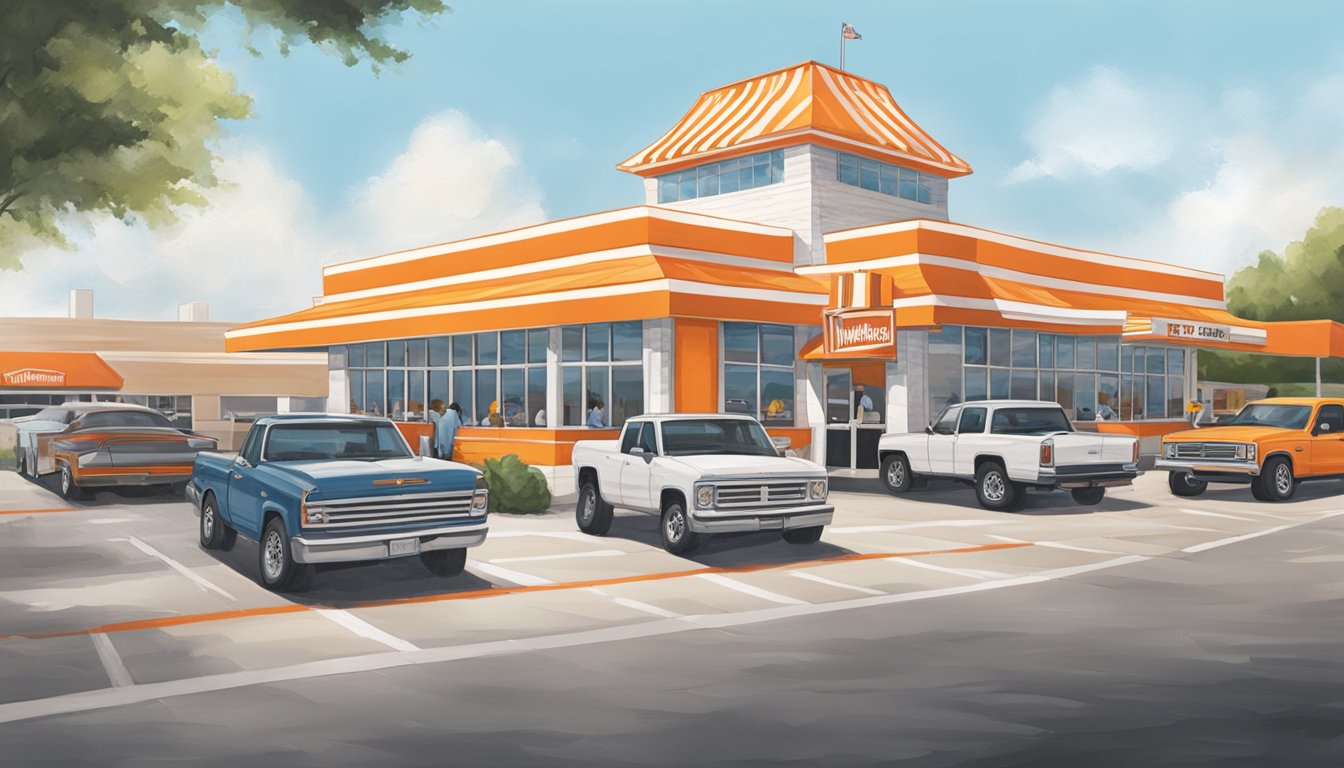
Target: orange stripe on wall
536, 446
695, 358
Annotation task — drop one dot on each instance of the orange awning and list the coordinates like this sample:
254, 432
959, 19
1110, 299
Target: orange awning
56, 370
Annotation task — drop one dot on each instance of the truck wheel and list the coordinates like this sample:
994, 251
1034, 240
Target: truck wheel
1088, 497
808, 535
23, 462
678, 538
1183, 484
994, 490
279, 572
212, 528
69, 488
1276, 481
895, 473
593, 514
445, 562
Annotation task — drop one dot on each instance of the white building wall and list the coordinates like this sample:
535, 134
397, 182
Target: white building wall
908, 383
811, 201
658, 379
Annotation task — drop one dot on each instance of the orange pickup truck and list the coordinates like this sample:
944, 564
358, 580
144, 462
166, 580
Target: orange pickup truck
1270, 444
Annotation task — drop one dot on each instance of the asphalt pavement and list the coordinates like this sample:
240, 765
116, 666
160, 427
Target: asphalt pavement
925, 631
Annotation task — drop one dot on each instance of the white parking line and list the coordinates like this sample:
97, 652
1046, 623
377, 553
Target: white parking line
1056, 545
200, 581
637, 605
112, 663
507, 574
1203, 513
1234, 539
747, 589
537, 558
911, 526
571, 535
365, 629
829, 583
966, 573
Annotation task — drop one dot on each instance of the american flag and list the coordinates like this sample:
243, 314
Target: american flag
848, 32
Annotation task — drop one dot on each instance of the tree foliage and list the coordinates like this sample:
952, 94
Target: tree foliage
1305, 283
111, 105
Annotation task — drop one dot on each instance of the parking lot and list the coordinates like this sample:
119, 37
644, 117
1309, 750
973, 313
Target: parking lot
111, 601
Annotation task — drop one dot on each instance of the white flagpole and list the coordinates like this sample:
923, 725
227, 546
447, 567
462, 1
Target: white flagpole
842, 46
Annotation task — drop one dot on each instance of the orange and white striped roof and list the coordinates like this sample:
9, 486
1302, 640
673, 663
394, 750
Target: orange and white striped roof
631, 264
805, 103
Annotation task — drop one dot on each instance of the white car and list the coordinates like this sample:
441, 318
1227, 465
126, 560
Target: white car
702, 473
1005, 447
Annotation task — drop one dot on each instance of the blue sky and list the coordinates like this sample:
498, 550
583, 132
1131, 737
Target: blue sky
1194, 132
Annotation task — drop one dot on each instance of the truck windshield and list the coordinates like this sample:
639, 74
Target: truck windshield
306, 442
1268, 415
1029, 421
693, 437
101, 419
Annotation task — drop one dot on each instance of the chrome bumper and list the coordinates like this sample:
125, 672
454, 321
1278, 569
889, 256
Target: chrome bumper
1197, 468
774, 519
348, 549
103, 481
1100, 479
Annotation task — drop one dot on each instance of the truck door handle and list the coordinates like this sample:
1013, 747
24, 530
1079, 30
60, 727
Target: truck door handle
237, 476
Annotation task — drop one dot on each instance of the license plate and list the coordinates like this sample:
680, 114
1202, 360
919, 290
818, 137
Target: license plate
774, 524
403, 547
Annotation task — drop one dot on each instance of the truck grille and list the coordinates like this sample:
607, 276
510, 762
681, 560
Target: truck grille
759, 494
1227, 451
391, 510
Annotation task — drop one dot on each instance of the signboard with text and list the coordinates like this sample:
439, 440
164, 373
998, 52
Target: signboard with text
1191, 330
861, 333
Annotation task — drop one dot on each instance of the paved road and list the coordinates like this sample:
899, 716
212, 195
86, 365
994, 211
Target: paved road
925, 630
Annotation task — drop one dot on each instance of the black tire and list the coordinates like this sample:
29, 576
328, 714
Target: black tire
1088, 497
65, 481
22, 467
675, 528
445, 562
178, 488
212, 527
592, 514
1182, 484
995, 490
809, 535
1257, 493
281, 573
895, 473
1276, 481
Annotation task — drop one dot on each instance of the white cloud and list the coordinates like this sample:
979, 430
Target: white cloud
1100, 124
256, 250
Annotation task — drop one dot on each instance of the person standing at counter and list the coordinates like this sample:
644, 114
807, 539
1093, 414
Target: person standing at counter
596, 418
445, 430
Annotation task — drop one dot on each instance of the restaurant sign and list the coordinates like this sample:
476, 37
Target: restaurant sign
861, 333
33, 377
1190, 330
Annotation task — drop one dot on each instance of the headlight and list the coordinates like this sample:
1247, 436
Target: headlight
480, 498
1241, 451
310, 516
1250, 451
818, 490
704, 496
1169, 450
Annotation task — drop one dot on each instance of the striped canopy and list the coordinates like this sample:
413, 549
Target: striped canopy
806, 103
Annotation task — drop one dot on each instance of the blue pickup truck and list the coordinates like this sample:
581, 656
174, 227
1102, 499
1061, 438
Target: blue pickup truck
319, 488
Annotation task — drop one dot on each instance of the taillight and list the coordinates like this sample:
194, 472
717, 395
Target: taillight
1136, 450
1048, 453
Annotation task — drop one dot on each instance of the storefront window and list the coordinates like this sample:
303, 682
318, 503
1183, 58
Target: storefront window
758, 372
603, 382
944, 373
976, 352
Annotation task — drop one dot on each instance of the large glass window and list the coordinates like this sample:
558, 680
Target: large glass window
735, 175
1092, 377
885, 178
758, 373
602, 378
497, 377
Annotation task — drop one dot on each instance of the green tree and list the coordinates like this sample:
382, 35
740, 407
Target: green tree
1305, 283
111, 105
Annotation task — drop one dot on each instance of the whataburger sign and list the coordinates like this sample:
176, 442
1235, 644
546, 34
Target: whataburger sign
1192, 331
861, 332
33, 377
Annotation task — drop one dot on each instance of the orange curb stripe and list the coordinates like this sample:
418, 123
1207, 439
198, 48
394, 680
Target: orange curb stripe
44, 511
173, 621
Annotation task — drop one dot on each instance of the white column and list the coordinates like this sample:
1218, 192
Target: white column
816, 410
338, 391
554, 397
909, 403
658, 366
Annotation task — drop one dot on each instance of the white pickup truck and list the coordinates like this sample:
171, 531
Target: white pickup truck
702, 473
1007, 446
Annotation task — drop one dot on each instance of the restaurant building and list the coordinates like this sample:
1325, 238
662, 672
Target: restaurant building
794, 245
179, 368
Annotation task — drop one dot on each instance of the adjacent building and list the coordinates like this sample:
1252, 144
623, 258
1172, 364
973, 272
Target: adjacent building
793, 258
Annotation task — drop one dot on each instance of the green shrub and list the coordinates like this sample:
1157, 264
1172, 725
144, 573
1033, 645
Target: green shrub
515, 487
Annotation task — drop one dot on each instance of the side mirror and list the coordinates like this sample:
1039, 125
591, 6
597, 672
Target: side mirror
239, 461
1324, 426
928, 430
636, 451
